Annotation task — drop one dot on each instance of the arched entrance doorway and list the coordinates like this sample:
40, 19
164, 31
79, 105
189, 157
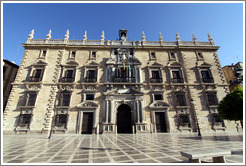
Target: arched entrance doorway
124, 119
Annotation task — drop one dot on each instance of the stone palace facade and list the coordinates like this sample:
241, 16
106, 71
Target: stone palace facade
100, 86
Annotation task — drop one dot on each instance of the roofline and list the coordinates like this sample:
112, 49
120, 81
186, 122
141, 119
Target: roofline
11, 63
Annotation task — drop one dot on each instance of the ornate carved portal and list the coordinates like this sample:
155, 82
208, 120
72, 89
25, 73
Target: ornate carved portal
124, 111
124, 119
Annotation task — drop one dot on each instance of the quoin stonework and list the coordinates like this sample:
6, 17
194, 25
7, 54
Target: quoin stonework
101, 86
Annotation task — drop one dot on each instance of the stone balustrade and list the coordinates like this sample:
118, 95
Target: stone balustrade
117, 43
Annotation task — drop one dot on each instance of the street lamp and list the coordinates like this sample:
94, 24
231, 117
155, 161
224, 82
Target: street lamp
197, 124
53, 119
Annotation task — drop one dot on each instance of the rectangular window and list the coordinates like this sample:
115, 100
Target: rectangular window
61, 120
212, 98
89, 96
158, 96
93, 55
31, 99
37, 75
172, 56
181, 99
68, 75
206, 77
199, 55
44, 53
152, 55
90, 76
217, 121
184, 120
91, 73
73, 54
177, 77
156, 78
24, 120
65, 99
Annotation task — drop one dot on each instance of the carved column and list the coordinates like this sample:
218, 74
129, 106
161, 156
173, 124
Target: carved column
84, 75
142, 111
140, 74
111, 111
137, 110
110, 74
135, 74
106, 111
107, 74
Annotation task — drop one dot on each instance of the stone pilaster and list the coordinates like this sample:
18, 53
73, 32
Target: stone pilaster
220, 71
52, 96
17, 80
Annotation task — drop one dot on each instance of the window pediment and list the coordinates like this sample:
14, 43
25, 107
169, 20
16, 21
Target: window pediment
174, 65
91, 64
71, 63
123, 91
204, 65
159, 105
87, 104
40, 63
153, 64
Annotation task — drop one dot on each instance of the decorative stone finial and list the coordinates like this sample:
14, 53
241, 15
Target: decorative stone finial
67, 35
194, 37
30, 36
48, 35
143, 36
85, 36
210, 38
102, 36
177, 36
160, 37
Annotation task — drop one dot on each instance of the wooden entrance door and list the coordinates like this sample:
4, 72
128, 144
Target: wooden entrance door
124, 119
160, 122
87, 123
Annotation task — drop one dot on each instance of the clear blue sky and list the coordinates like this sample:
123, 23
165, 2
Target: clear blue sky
224, 21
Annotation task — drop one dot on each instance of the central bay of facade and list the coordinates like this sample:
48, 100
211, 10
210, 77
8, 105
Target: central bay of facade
85, 86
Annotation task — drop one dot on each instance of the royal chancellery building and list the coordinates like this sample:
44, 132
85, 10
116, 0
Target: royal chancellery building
121, 86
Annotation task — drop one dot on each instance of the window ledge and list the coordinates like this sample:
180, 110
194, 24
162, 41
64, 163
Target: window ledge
218, 128
213, 106
64, 107
27, 107
180, 107
120, 83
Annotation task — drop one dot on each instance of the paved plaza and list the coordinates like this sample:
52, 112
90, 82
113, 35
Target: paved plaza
121, 148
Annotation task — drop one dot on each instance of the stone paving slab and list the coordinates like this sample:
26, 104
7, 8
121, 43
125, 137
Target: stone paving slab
121, 148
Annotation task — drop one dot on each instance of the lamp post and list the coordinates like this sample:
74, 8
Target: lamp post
53, 119
197, 124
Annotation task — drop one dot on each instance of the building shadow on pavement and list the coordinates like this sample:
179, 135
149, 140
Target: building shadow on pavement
216, 138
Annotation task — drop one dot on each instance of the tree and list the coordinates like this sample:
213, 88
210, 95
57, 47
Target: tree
231, 106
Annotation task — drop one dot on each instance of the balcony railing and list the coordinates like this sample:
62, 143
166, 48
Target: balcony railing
177, 80
183, 124
90, 79
208, 80
124, 79
219, 124
156, 80
67, 79
35, 79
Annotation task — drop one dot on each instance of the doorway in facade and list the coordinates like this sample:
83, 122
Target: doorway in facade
87, 123
124, 119
160, 121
